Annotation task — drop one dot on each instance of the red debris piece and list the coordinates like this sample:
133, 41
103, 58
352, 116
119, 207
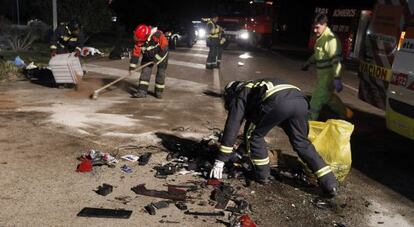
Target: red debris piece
246, 221
85, 166
214, 182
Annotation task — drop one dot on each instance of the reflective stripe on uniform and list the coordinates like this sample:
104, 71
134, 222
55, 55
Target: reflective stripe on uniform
53, 47
73, 39
261, 162
248, 135
278, 88
159, 58
226, 149
161, 86
322, 172
144, 82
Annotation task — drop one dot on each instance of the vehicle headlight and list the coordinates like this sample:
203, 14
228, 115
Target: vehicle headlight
201, 33
244, 35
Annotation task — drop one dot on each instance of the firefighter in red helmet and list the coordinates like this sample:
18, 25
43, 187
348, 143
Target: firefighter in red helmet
152, 45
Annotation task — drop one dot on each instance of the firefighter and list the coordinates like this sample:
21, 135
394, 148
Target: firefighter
213, 41
265, 104
327, 56
67, 38
152, 45
222, 41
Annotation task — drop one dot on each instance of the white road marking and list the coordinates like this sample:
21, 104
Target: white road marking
216, 79
350, 87
189, 54
186, 64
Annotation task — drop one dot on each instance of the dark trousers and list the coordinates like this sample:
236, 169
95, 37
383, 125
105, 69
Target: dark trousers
214, 45
291, 116
145, 77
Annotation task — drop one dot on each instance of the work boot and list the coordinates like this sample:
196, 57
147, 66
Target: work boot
209, 67
139, 94
265, 181
217, 66
158, 94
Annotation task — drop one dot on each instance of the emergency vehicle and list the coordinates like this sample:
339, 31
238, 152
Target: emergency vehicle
245, 22
386, 69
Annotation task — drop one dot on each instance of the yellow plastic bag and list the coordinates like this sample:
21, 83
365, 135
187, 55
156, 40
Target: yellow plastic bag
332, 141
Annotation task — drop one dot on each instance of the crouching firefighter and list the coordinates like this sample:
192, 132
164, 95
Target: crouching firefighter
213, 42
152, 45
67, 38
265, 104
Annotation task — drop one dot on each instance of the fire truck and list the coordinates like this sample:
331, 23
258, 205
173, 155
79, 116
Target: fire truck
386, 66
247, 23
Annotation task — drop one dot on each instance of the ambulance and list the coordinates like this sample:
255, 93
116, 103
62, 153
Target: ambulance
386, 69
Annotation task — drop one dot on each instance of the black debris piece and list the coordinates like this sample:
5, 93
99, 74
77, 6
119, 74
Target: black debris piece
150, 209
144, 159
104, 213
189, 188
181, 205
165, 170
104, 190
196, 213
241, 207
175, 195
321, 204
222, 195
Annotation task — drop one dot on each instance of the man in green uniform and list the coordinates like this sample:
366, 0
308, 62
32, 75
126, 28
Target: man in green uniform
327, 57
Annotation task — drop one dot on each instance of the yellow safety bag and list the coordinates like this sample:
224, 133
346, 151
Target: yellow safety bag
332, 141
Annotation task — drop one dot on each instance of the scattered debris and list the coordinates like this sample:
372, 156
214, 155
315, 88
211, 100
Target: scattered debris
214, 182
152, 207
242, 221
188, 187
240, 63
169, 222
172, 193
84, 166
130, 157
104, 213
165, 170
222, 195
321, 204
100, 158
144, 159
219, 213
336, 224
181, 205
241, 207
126, 169
104, 190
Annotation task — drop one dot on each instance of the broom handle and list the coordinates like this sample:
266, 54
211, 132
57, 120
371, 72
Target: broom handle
123, 77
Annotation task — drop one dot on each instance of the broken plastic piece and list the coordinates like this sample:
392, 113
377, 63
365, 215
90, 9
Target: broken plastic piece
220, 213
150, 209
175, 195
144, 159
181, 206
214, 182
84, 166
104, 190
104, 213
126, 169
130, 157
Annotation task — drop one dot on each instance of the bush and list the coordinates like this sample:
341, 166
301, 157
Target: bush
8, 71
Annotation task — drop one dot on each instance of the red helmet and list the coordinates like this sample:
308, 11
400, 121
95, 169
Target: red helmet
141, 32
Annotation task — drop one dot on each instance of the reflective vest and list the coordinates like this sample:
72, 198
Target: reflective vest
213, 29
327, 53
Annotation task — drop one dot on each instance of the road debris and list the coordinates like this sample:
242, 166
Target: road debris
126, 169
130, 157
211, 214
181, 205
84, 166
172, 193
100, 158
164, 170
104, 190
104, 213
242, 221
152, 207
144, 159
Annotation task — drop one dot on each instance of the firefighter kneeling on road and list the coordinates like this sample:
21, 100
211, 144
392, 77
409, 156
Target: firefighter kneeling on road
265, 104
213, 42
67, 38
152, 45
